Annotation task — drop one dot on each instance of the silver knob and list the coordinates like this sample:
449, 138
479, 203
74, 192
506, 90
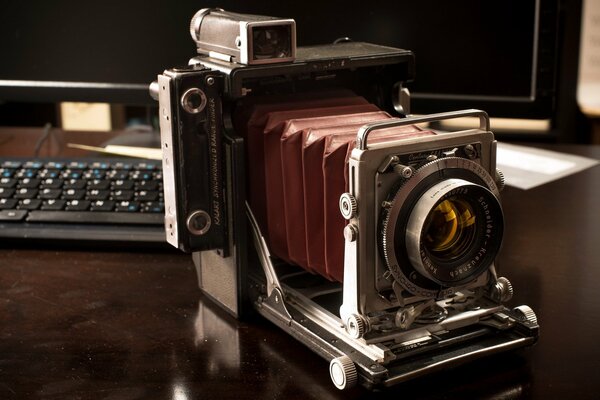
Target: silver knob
526, 314
343, 372
348, 205
355, 326
153, 90
499, 178
503, 290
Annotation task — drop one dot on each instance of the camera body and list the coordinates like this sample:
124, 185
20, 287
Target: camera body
391, 280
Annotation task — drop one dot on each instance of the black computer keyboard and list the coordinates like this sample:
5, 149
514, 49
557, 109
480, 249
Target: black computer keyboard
104, 200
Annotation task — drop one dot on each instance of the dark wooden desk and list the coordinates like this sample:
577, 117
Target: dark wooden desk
81, 324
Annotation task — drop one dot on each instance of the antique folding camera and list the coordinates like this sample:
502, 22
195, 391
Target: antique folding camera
306, 191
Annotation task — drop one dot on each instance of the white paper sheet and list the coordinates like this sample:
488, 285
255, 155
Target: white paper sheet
527, 167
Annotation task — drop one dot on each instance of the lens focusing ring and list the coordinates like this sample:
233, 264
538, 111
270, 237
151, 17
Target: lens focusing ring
394, 222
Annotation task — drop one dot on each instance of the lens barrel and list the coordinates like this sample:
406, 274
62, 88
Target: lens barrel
443, 227
454, 232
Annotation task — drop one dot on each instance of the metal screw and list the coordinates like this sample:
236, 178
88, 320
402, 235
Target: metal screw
210, 80
350, 232
403, 170
470, 151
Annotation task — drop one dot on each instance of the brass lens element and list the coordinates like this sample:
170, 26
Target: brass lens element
449, 228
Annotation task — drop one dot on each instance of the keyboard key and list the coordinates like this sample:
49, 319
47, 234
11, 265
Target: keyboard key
7, 182
122, 165
144, 195
147, 185
31, 183
75, 184
5, 193
74, 194
12, 215
127, 206
122, 195
153, 207
51, 183
99, 165
122, 184
77, 205
30, 204
53, 204
95, 174
26, 193
8, 203
77, 165
143, 166
101, 184
33, 165
48, 193
11, 164
98, 194
49, 173
54, 165
140, 175
7, 172
102, 205
26, 173
72, 174
117, 174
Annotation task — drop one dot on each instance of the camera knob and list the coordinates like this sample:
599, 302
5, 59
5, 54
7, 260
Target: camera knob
503, 290
499, 178
355, 326
526, 314
348, 206
343, 372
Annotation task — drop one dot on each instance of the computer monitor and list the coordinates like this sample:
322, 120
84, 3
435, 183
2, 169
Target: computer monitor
497, 55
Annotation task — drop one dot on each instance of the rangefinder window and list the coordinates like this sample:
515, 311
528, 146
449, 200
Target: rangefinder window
271, 42
243, 38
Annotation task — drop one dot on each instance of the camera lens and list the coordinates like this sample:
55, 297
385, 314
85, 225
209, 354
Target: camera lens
450, 228
442, 228
271, 42
454, 231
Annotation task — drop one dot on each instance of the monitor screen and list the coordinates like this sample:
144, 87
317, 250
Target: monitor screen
498, 55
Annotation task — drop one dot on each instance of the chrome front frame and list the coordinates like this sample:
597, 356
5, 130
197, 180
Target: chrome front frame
381, 358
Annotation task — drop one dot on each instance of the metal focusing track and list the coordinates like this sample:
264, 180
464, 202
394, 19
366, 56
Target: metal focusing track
379, 365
